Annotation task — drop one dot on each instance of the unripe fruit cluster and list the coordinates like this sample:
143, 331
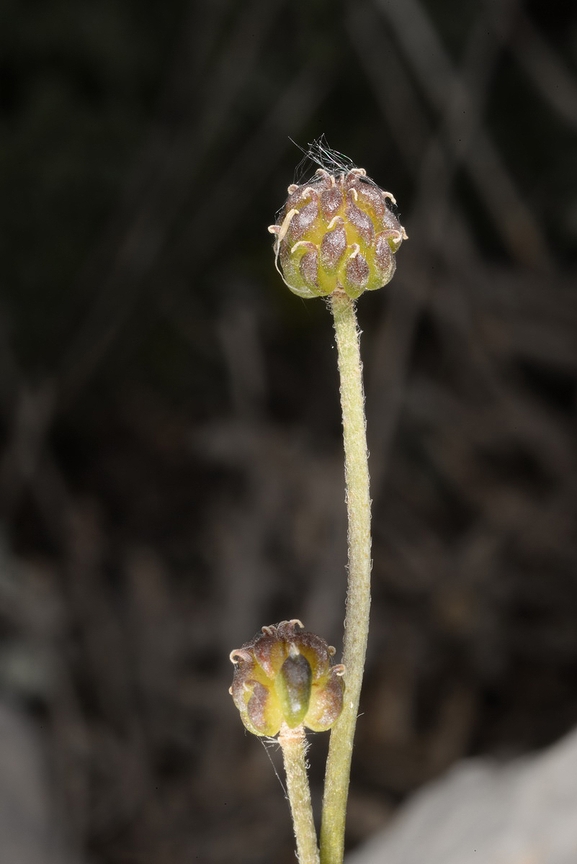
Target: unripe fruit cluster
284, 676
337, 232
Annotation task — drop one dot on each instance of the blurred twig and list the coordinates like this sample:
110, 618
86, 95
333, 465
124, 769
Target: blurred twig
546, 70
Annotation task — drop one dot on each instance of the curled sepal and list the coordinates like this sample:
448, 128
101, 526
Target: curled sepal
326, 701
285, 676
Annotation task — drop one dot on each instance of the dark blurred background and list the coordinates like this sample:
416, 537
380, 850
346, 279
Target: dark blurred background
170, 472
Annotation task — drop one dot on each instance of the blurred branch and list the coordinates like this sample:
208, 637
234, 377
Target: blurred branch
161, 184
440, 82
546, 70
434, 216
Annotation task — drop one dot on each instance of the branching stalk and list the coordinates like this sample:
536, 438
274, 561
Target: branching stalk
359, 565
293, 744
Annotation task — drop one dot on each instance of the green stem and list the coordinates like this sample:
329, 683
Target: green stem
293, 744
359, 576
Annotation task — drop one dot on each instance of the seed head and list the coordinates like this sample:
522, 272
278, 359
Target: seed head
285, 676
337, 232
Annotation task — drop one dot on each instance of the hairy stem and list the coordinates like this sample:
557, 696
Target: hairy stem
293, 744
359, 575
